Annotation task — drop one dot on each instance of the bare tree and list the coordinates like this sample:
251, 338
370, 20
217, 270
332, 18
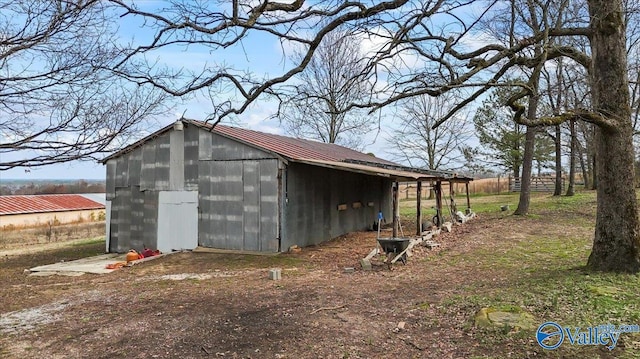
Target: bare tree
420, 145
432, 32
316, 106
58, 99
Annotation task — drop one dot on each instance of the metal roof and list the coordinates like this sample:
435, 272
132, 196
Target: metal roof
45, 203
310, 152
293, 148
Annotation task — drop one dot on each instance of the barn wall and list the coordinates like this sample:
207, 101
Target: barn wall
313, 194
134, 180
238, 195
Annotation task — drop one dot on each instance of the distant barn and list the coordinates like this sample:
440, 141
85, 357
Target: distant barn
34, 210
190, 185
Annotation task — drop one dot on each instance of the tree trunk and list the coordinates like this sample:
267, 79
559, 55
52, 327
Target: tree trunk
616, 246
527, 164
558, 187
594, 168
572, 160
583, 165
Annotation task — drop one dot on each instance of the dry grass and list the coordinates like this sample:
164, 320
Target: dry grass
44, 234
476, 187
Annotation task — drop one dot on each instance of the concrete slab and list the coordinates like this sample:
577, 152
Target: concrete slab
232, 251
95, 265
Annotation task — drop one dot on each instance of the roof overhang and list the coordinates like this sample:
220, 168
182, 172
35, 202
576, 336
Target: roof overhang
396, 175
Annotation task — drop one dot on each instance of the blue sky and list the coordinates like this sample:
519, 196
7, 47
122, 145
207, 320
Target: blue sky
259, 54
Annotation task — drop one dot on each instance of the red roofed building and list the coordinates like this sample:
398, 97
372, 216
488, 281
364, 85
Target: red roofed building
191, 184
33, 210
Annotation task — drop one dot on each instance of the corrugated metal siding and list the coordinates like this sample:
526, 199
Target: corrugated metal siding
191, 142
150, 221
269, 205
239, 205
123, 202
176, 161
110, 183
224, 149
163, 158
122, 171
20, 204
133, 220
314, 194
135, 167
148, 170
137, 218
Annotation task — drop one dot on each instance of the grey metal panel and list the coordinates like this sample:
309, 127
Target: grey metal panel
148, 169
191, 141
269, 208
176, 160
150, 221
204, 205
111, 179
313, 195
163, 157
113, 226
137, 219
204, 145
251, 205
135, 167
107, 210
123, 208
233, 205
239, 205
225, 149
133, 219
122, 171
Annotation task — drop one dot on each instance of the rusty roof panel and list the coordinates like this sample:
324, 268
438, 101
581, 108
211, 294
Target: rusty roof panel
45, 203
293, 148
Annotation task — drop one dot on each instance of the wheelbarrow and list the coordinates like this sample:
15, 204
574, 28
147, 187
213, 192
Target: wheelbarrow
394, 246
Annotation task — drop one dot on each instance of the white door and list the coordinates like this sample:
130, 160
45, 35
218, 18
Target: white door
177, 220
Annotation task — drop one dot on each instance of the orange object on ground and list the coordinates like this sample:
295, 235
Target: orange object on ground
132, 255
116, 265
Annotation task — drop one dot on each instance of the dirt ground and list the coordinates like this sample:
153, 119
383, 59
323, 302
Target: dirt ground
203, 305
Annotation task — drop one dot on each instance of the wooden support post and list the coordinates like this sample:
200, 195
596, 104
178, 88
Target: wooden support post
395, 209
419, 209
468, 201
452, 205
438, 190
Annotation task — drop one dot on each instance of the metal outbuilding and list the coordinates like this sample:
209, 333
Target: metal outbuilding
34, 210
191, 184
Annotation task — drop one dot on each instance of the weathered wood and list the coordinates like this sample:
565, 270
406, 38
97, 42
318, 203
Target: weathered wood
466, 184
438, 190
431, 244
419, 209
395, 209
411, 244
371, 254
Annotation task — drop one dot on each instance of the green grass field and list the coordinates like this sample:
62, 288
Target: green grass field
537, 263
